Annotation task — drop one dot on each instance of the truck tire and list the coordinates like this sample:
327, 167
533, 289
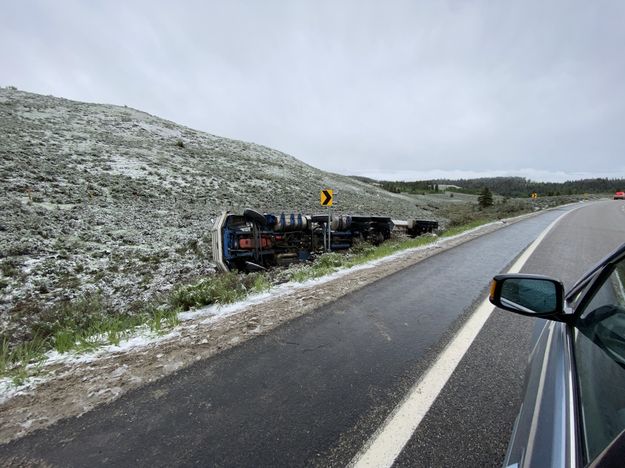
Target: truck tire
255, 216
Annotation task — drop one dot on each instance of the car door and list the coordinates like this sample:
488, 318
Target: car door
573, 410
545, 432
599, 352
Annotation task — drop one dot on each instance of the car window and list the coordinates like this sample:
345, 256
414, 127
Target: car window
573, 299
600, 357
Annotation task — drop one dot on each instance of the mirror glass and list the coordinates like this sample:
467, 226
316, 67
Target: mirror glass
530, 295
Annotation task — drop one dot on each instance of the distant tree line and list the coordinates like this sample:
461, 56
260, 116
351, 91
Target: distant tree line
509, 186
419, 186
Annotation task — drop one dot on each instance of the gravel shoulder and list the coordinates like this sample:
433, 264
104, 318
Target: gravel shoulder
71, 388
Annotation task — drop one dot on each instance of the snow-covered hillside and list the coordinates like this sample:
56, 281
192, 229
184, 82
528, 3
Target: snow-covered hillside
114, 204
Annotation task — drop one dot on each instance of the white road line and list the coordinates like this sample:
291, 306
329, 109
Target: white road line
389, 440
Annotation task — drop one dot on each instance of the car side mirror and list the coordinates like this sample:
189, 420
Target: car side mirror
532, 295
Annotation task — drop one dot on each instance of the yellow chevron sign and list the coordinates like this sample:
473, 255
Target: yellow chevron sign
325, 197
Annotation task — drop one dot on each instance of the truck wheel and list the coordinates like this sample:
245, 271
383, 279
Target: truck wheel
255, 216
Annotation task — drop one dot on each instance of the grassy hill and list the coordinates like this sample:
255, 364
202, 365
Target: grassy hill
114, 205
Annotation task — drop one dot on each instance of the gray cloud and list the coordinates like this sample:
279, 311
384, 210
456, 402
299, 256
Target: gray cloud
403, 88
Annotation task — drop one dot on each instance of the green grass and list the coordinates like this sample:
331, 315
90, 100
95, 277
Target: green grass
453, 231
71, 332
163, 320
9, 269
330, 262
218, 289
64, 341
86, 324
22, 361
4, 356
101, 331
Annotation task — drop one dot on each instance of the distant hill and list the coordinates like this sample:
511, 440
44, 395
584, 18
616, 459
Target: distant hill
510, 186
366, 180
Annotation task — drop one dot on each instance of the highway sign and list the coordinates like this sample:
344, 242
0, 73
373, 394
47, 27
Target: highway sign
326, 197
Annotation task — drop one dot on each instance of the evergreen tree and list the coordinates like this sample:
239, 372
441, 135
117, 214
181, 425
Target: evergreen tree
486, 198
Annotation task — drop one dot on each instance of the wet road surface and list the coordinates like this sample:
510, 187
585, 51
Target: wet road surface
471, 421
314, 390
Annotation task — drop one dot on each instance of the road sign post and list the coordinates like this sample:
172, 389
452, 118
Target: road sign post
326, 198
329, 231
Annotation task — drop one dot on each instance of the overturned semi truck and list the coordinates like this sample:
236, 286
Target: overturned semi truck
254, 241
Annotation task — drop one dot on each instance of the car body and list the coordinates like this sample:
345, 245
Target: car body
573, 410
619, 196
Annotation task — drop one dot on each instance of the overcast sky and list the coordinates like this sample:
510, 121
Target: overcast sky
388, 89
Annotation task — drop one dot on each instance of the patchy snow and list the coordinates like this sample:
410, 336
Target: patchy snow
127, 166
143, 338
30, 264
160, 130
9, 390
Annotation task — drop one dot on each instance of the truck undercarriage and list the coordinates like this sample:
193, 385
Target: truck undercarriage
255, 241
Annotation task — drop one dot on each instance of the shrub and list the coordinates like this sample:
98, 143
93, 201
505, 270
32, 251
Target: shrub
162, 319
222, 289
362, 248
330, 260
219, 289
8, 268
77, 315
15, 361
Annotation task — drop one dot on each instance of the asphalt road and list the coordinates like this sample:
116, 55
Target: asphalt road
475, 413
314, 390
